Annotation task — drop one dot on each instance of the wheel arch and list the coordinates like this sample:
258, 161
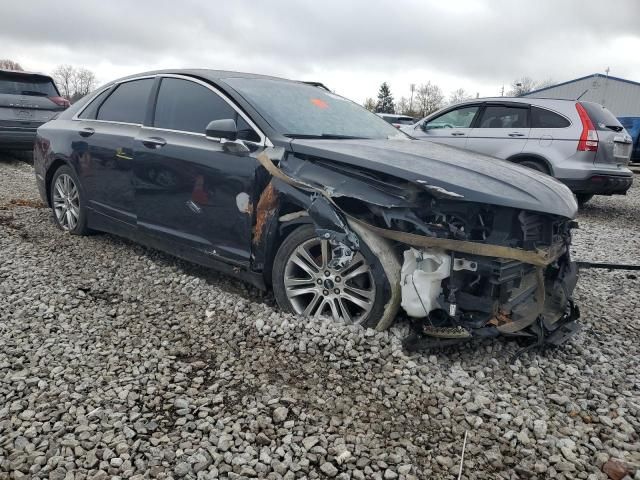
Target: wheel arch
50, 172
521, 157
281, 229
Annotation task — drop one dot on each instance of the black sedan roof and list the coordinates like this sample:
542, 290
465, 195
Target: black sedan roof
204, 73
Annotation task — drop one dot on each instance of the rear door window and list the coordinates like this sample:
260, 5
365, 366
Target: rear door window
189, 107
543, 118
25, 84
127, 103
504, 116
92, 109
602, 118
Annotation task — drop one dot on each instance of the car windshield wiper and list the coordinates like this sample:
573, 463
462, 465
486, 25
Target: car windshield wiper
34, 93
615, 128
330, 136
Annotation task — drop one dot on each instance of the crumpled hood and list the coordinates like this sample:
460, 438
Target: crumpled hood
476, 177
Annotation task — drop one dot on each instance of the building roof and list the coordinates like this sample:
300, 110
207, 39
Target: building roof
593, 75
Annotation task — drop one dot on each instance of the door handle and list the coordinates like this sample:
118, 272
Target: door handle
516, 134
154, 142
87, 132
458, 134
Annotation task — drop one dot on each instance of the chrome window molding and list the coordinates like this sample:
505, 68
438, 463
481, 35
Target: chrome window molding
98, 92
552, 111
264, 141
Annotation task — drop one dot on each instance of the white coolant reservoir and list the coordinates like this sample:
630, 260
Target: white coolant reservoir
422, 274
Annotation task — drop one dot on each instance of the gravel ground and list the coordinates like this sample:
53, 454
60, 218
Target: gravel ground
118, 361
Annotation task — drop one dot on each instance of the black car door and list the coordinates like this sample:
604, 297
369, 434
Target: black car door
191, 193
106, 132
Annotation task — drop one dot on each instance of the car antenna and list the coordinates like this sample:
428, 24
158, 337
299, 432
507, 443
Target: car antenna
580, 96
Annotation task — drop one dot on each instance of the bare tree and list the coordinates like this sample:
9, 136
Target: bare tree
524, 85
84, 81
370, 104
429, 98
10, 64
74, 83
459, 95
402, 106
64, 76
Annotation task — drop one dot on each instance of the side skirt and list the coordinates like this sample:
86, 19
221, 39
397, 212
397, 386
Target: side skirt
104, 223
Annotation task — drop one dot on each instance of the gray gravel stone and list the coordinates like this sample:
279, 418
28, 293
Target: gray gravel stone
120, 361
280, 414
329, 469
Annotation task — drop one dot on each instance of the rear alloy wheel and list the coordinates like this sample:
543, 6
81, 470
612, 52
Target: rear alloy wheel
304, 283
66, 202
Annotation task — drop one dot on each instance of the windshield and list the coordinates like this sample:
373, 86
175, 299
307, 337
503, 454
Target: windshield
303, 111
21, 84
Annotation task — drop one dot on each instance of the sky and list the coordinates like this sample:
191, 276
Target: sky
351, 46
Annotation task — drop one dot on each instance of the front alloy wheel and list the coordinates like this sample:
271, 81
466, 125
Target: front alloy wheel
315, 290
305, 284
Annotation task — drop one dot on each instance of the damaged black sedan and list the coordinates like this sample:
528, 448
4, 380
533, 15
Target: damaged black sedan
285, 184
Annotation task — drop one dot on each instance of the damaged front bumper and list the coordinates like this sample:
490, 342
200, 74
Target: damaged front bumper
459, 269
454, 298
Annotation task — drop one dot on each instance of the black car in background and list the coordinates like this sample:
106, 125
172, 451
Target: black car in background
288, 185
27, 100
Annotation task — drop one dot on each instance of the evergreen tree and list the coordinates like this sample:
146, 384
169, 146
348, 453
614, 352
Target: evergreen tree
385, 100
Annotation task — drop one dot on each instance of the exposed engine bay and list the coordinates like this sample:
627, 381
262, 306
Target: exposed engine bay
466, 269
458, 296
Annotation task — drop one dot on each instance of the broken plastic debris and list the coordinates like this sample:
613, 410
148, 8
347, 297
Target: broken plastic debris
422, 274
439, 190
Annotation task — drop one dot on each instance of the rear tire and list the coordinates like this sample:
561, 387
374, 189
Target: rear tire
583, 198
67, 202
359, 299
535, 165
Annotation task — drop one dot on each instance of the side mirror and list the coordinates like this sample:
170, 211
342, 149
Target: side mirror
424, 127
224, 129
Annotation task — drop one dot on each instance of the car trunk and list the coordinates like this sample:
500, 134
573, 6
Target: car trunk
614, 144
27, 100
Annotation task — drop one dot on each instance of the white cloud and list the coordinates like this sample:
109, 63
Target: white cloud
350, 46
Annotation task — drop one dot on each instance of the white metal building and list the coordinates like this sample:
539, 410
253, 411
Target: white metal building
620, 96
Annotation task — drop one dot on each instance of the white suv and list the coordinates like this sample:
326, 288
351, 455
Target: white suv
580, 143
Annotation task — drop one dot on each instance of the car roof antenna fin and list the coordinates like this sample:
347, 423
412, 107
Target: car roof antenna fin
582, 94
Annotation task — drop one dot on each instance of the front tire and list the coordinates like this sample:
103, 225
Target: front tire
304, 284
67, 202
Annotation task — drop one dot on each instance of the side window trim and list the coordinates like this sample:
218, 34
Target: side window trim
90, 102
476, 120
264, 141
116, 89
485, 105
113, 88
460, 107
552, 111
263, 138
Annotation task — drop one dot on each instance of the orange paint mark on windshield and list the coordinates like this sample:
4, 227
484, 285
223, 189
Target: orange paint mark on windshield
319, 103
